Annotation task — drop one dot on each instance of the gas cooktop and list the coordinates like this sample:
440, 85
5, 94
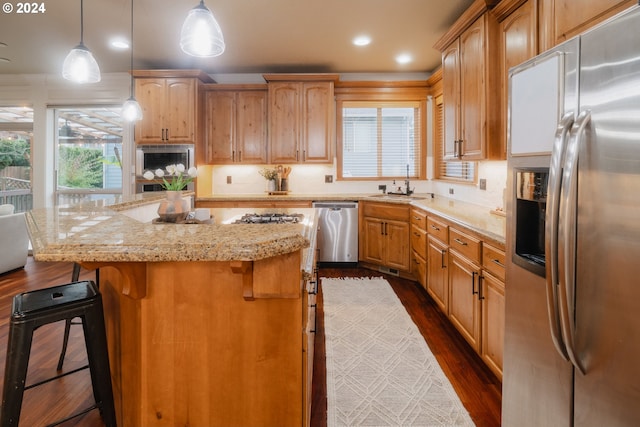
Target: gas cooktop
270, 218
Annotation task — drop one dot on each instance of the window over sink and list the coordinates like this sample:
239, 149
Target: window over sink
380, 139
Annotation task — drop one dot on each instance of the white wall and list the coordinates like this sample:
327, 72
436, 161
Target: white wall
310, 179
42, 91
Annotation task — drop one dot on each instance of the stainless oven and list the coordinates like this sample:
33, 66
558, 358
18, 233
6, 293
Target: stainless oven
152, 157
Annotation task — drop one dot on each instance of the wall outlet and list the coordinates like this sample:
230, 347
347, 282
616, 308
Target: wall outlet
328, 179
450, 190
228, 179
483, 184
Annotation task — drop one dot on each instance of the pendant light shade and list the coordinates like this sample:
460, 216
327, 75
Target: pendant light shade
131, 111
201, 35
80, 66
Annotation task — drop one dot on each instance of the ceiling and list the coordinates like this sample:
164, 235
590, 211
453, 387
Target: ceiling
262, 36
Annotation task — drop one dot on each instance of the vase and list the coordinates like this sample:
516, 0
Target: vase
173, 208
271, 185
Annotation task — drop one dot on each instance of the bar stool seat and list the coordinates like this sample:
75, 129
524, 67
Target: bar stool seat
30, 310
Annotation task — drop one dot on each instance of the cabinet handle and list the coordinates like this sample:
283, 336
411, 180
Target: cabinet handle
443, 252
166, 133
314, 288
297, 155
386, 229
415, 233
473, 282
162, 134
462, 242
315, 318
480, 281
304, 155
233, 155
497, 261
382, 228
240, 156
435, 228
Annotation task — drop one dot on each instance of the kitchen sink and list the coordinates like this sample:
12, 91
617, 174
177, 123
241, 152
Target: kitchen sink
397, 196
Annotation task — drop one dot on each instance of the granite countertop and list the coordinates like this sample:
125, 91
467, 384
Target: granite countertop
102, 232
475, 218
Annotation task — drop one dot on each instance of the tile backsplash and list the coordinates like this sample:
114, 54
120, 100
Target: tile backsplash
310, 179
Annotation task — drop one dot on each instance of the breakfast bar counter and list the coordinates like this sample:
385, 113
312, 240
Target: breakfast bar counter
207, 324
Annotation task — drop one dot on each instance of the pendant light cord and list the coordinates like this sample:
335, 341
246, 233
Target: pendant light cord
81, 22
131, 69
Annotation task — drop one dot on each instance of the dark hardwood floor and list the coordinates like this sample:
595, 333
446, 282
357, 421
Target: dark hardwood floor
477, 387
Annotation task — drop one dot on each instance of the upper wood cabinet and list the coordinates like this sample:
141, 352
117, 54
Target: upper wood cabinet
472, 106
518, 29
169, 102
563, 19
235, 125
301, 118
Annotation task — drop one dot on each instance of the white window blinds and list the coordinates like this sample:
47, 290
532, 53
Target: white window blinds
380, 139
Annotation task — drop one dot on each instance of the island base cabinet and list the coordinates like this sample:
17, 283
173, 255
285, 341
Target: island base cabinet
188, 344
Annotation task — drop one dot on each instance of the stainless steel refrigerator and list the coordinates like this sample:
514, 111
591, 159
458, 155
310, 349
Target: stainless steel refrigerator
572, 337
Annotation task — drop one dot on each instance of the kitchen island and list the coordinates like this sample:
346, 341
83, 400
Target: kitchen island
207, 324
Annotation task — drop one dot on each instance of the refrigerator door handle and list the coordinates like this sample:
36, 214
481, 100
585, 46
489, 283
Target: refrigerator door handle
551, 231
567, 237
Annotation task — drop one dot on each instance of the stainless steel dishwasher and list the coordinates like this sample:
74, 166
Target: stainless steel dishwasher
337, 232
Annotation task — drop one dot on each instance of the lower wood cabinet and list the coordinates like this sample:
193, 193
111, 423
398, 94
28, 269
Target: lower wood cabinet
438, 272
384, 235
464, 302
492, 299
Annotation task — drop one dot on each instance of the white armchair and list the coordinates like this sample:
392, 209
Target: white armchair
14, 240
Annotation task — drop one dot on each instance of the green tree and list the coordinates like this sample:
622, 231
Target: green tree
14, 153
80, 167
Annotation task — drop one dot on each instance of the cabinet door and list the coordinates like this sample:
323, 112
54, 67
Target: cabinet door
572, 18
437, 273
397, 245
180, 110
492, 297
472, 90
317, 122
284, 119
220, 127
150, 93
451, 99
518, 42
251, 127
374, 238
419, 269
464, 306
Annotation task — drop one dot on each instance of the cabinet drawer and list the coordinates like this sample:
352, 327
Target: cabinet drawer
493, 260
438, 229
386, 211
464, 244
419, 241
419, 219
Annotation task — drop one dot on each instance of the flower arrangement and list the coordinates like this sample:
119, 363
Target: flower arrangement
269, 174
178, 177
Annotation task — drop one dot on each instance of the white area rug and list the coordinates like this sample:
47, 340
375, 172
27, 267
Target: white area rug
380, 371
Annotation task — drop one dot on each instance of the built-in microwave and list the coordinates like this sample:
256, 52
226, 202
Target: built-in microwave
153, 157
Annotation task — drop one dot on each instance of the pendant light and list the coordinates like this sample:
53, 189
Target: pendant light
201, 35
131, 111
80, 66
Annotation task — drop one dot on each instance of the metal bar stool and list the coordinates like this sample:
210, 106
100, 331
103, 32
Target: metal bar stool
30, 310
75, 276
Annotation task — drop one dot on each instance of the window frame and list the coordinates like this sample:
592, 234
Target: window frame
391, 94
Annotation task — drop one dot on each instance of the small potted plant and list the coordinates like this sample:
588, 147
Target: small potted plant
270, 175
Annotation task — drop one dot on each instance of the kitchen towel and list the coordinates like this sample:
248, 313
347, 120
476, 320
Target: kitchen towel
380, 371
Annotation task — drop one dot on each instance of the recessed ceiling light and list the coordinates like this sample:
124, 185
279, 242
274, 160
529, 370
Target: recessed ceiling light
119, 43
404, 58
362, 40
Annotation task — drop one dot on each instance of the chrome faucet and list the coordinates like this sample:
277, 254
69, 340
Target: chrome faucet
407, 183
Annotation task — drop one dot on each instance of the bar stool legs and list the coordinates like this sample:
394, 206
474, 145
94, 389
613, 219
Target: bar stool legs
75, 276
37, 308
